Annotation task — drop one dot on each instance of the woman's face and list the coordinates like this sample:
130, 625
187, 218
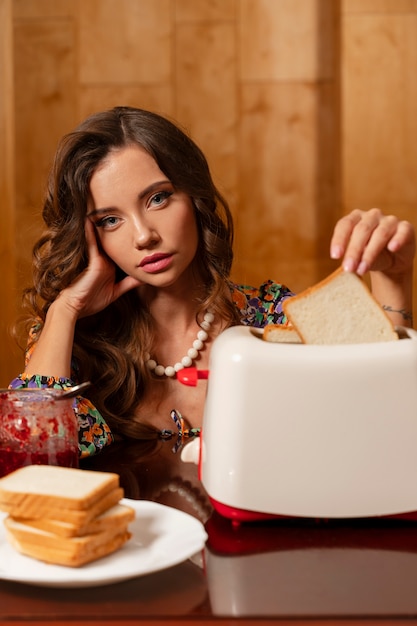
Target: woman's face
143, 224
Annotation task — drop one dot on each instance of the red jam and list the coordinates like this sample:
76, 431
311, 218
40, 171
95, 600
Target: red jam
11, 460
36, 429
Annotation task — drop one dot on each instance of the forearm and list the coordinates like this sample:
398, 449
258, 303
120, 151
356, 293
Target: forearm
53, 350
395, 296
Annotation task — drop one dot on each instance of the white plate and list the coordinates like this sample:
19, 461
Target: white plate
161, 537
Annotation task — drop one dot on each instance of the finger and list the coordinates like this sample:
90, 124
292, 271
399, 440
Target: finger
404, 234
368, 243
342, 233
368, 238
91, 239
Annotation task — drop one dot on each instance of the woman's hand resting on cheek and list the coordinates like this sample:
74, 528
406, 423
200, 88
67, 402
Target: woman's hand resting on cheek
371, 241
96, 287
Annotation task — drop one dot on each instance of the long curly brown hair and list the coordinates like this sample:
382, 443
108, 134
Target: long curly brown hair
110, 347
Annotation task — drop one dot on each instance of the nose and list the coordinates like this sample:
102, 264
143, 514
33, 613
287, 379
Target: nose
145, 235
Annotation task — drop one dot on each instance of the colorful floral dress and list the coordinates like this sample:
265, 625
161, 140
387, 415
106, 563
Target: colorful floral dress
257, 307
260, 306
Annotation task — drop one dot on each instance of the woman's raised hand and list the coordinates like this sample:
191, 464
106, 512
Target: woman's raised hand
96, 287
371, 241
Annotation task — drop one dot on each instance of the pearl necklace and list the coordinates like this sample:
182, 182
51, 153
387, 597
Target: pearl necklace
192, 354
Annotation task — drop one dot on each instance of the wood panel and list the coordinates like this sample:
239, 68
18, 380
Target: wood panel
125, 41
45, 91
289, 186
210, 115
9, 355
43, 9
203, 11
380, 103
280, 184
379, 6
281, 41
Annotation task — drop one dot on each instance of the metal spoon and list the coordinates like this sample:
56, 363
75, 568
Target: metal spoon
73, 391
55, 393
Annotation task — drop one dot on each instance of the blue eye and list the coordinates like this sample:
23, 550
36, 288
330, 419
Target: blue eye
107, 222
160, 198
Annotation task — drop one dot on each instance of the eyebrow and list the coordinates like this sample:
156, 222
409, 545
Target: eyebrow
142, 195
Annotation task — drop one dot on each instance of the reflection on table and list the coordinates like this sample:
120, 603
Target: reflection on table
153, 470
312, 568
298, 569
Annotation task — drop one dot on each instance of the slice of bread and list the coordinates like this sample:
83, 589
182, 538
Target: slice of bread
279, 333
71, 552
78, 518
38, 490
339, 310
117, 517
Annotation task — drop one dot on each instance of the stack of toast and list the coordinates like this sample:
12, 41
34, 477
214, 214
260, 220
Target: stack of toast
63, 515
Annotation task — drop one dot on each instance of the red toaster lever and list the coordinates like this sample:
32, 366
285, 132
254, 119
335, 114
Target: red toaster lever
190, 375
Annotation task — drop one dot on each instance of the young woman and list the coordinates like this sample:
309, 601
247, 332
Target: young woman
131, 277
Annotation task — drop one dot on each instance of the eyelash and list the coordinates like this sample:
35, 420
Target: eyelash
164, 194
103, 222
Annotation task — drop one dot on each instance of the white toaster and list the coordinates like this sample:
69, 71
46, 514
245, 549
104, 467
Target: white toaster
311, 431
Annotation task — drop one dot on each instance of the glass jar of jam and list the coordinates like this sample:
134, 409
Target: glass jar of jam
36, 428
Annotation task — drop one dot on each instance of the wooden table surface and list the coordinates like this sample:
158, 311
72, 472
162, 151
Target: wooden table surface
295, 571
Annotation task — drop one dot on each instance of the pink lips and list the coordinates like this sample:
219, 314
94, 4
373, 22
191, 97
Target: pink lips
155, 263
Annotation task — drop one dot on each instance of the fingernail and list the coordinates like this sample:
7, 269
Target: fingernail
335, 252
362, 268
348, 265
393, 245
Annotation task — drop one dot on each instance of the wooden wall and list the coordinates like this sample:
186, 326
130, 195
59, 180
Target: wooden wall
379, 85
304, 108
9, 356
